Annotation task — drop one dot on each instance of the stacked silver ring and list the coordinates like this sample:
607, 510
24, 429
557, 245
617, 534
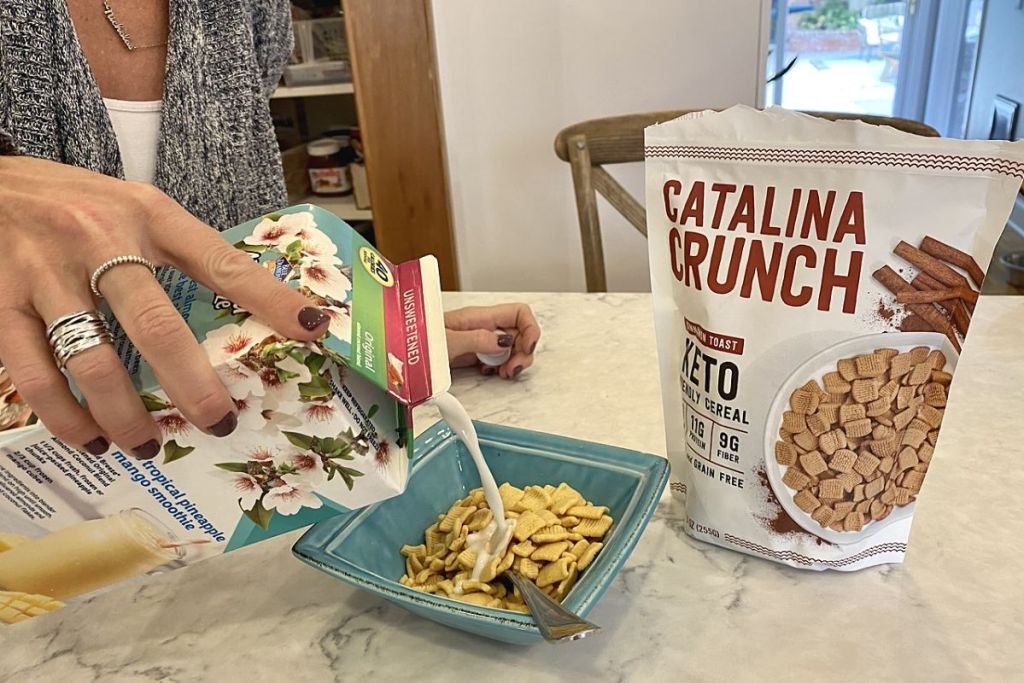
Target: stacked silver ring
74, 333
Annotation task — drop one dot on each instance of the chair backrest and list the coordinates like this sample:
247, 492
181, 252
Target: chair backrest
590, 145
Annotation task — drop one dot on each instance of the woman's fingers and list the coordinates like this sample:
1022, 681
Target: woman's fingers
102, 380
200, 251
34, 372
515, 319
464, 345
165, 341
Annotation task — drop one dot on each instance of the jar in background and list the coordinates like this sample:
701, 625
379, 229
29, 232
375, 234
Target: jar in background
328, 170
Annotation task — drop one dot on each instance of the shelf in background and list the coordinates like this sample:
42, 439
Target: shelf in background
342, 207
313, 90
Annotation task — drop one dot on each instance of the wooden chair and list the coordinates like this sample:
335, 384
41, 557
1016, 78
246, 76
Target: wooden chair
590, 145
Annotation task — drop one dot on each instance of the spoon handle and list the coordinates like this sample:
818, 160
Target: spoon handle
554, 621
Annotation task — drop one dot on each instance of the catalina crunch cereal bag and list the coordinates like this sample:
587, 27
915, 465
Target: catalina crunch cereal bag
813, 282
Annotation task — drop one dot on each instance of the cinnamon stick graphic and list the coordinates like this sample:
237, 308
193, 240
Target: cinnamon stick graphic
931, 296
961, 318
931, 265
895, 283
915, 323
927, 282
951, 254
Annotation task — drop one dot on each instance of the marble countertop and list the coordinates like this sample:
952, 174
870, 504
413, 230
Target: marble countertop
679, 610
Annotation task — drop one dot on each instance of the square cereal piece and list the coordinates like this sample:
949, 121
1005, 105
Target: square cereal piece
914, 437
829, 412
794, 422
842, 460
823, 515
889, 494
934, 395
806, 501
924, 453
918, 423
933, 436
851, 412
835, 384
937, 359
843, 508
832, 441
864, 506
884, 447
943, 378
847, 369
866, 464
795, 479
785, 453
900, 365
877, 509
907, 459
921, 373
902, 496
817, 425
850, 481
858, 492
871, 365
815, 388
885, 464
919, 354
785, 436
882, 431
813, 464
830, 489
889, 390
913, 480
874, 487
885, 419
836, 526
877, 407
887, 354
804, 402
903, 397
806, 441
864, 390
857, 429
853, 443
931, 415
903, 418
854, 521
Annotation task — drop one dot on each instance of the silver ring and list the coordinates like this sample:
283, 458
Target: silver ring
94, 281
71, 334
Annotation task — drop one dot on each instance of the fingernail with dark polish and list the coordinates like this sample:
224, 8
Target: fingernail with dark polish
517, 371
505, 340
148, 450
226, 425
311, 318
97, 446
533, 347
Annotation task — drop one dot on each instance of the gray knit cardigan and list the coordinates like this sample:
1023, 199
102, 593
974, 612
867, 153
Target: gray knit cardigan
217, 154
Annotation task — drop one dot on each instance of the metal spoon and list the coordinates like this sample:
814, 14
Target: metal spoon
555, 622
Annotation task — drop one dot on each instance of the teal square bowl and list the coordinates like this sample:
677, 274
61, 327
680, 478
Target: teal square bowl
362, 547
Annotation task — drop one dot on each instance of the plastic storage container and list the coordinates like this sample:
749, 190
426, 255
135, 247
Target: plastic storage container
321, 53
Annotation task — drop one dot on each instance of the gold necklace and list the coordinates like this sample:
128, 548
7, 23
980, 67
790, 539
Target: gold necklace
122, 32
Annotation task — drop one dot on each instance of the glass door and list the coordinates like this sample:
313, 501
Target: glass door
913, 59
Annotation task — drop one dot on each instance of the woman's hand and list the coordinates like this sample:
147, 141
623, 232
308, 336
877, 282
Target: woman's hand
61, 223
471, 331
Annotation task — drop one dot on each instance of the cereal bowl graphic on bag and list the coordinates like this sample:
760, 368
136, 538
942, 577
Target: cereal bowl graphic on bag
850, 435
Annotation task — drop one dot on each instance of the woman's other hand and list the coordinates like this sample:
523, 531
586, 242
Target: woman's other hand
471, 331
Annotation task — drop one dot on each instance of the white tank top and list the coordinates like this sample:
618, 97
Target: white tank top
137, 128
